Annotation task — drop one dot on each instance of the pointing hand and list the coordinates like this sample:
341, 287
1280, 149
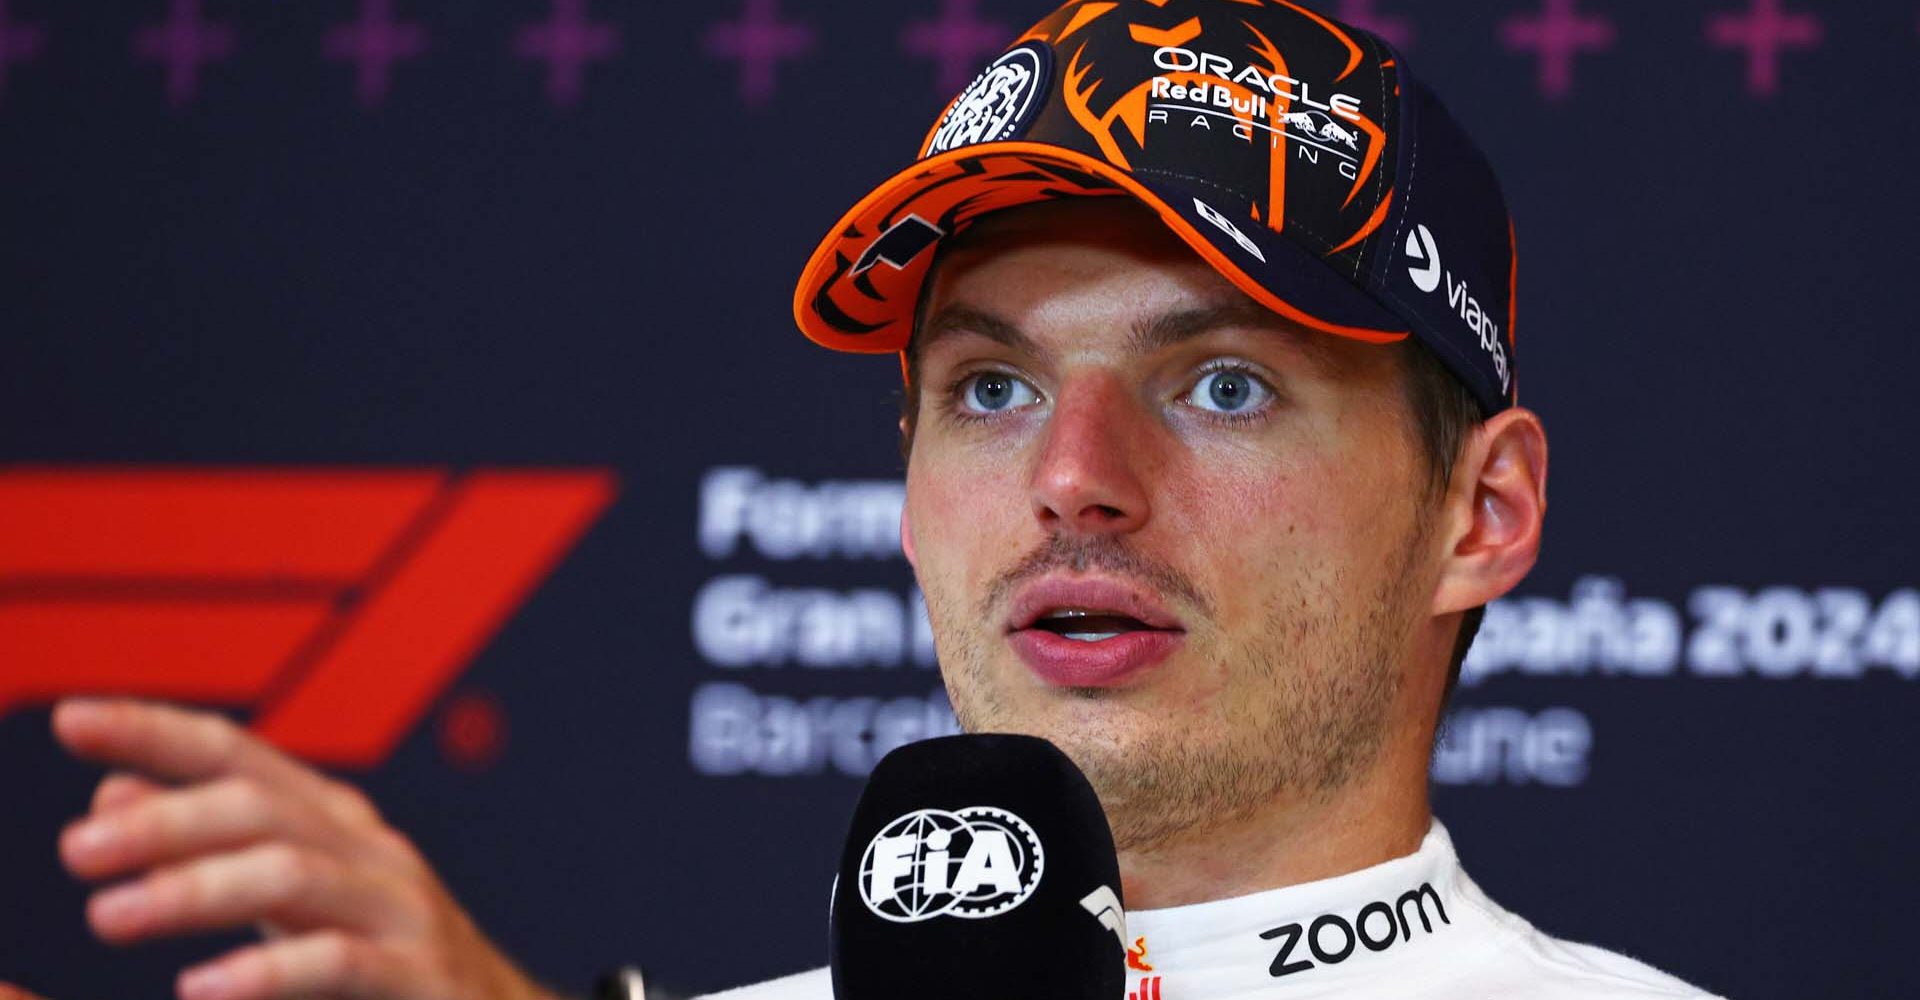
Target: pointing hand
210, 828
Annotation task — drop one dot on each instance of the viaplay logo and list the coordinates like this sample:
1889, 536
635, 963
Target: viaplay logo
1427, 273
336, 603
1426, 258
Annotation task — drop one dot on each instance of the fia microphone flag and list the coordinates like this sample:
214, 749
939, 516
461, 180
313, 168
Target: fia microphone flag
973, 860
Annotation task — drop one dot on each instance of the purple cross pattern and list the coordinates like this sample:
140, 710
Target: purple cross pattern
1398, 31
182, 43
1764, 31
374, 43
1556, 35
957, 41
19, 43
568, 42
759, 40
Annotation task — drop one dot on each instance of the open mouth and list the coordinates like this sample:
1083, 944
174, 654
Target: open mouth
1083, 632
1090, 626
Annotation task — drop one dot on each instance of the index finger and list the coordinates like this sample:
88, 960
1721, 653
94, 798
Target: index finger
170, 743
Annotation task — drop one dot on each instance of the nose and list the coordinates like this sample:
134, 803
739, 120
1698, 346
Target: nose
1087, 478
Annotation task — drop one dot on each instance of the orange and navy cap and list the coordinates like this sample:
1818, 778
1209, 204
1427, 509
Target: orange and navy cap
1294, 153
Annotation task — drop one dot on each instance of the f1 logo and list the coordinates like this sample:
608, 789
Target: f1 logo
1105, 906
1221, 222
899, 245
338, 602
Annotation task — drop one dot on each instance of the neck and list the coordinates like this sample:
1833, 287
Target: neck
1286, 842
1299, 837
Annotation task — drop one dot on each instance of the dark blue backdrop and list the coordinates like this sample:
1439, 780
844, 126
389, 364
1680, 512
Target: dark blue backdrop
1688, 738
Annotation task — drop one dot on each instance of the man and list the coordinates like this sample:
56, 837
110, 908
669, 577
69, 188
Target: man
1206, 309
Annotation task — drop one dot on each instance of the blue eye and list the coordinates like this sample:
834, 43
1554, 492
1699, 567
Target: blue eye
1229, 390
995, 392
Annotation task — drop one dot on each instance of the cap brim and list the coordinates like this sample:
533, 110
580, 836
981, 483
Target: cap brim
860, 287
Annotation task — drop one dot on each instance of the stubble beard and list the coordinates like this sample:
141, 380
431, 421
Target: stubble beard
1313, 689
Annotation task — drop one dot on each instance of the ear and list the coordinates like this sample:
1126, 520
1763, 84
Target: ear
906, 528
906, 539
1494, 510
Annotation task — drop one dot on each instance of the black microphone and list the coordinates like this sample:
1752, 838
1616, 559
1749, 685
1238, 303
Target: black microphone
978, 866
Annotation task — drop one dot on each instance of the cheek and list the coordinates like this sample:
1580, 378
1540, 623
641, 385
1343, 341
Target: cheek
965, 518
1243, 504
1265, 530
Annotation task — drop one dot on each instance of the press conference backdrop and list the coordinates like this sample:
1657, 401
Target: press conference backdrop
415, 381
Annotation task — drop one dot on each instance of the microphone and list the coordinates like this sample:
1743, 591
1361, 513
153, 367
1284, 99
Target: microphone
978, 865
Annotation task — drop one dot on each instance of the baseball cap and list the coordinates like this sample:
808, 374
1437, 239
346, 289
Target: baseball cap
1294, 153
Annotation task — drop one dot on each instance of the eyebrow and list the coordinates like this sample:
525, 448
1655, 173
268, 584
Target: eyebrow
1168, 329
1149, 335
956, 319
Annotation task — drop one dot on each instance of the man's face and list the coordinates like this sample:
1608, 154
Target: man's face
1158, 525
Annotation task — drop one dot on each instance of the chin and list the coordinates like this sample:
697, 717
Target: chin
1159, 768
1103, 730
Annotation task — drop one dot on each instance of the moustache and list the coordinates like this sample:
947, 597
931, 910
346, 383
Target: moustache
1109, 555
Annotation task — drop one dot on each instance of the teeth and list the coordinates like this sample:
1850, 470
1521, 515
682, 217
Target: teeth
1089, 636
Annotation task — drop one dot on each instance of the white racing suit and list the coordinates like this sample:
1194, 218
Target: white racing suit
1415, 928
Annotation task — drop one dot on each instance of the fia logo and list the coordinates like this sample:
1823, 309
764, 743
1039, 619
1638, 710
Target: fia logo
1149, 989
1225, 225
997, 103
976, 862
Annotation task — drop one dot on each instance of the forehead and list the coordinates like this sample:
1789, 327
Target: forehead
1089, 268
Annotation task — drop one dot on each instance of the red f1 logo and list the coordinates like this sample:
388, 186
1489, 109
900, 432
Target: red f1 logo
338, 602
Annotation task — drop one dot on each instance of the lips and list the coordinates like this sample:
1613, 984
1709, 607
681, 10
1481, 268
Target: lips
1090, 632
